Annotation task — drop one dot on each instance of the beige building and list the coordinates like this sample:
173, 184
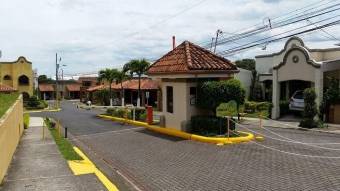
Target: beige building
294, 68
179, 72
18, 75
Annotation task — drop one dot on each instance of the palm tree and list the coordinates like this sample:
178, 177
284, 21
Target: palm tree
109, 75
138, 67
120, 78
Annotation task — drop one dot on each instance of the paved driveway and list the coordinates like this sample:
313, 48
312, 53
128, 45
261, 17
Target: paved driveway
156, 162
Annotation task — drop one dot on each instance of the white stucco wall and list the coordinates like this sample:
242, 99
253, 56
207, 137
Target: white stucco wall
296, 71
245, 76
265, 64
178, 118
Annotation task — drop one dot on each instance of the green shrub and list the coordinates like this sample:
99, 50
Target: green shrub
310, 113
43, 103
33, 102
250, 107
284, 107
210, 125
212, 93
26, 120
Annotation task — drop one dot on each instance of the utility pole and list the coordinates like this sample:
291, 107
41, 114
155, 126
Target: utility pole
212, 42
56, 79
218, 32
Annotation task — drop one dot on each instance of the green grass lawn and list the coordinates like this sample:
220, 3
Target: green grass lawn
6, 101
65, 147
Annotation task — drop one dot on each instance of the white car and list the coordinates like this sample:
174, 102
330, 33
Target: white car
296, 102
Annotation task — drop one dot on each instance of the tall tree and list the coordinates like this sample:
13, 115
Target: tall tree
248, 64
109, 75
137, 67
120, 78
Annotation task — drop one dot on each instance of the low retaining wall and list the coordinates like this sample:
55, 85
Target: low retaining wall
11, 129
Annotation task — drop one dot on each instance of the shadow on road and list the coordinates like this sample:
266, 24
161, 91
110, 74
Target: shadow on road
158, 135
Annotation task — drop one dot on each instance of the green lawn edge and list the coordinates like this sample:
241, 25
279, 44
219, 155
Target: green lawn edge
65, 147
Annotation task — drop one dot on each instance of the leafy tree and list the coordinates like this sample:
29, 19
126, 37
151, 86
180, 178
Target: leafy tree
248, 64
332, 94
310, 110
212, 93
137, 67
109, 75
44, 79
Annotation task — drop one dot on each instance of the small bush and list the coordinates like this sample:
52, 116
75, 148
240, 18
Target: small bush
210, 125
140, 114
310, 118
250, 107
284, 107
33, 102
26, 120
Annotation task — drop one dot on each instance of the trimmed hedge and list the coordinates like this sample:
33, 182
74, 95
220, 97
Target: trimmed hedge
210, 125
140, 114
252, 106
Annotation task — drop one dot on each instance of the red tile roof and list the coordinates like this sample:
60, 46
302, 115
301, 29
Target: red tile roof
145, 84
46, 87
6, 88
95, 88
191, 58
73, 87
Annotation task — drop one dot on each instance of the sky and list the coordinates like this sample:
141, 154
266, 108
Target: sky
90, 35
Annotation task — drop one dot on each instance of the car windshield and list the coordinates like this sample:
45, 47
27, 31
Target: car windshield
298, 95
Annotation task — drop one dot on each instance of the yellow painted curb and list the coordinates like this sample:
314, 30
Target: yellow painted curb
259, 138
85, 166
184, 135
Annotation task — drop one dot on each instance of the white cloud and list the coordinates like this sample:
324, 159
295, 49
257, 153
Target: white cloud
90, 35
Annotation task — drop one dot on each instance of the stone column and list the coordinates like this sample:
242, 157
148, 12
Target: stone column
276, 96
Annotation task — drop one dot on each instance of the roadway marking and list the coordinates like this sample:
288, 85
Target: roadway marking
85, 166
111, 132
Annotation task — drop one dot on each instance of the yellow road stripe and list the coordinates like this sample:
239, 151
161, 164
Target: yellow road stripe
85, 166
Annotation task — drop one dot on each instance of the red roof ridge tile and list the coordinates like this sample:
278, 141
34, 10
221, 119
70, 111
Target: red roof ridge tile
189, 57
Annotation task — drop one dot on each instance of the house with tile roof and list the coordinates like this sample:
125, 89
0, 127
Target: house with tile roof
179, 72
149, 91
18, 75
6, 89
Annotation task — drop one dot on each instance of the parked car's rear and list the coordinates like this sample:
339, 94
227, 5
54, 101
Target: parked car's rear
296, 102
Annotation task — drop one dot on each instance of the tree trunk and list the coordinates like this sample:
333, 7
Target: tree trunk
110, 92
122, 93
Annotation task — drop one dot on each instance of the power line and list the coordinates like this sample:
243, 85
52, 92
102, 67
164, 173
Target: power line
332, 37
285, 32
275, 25
228, 52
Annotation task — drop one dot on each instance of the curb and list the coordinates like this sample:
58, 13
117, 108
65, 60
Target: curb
47, 110
184, 135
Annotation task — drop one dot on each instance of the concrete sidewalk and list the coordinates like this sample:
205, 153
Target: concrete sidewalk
38, 165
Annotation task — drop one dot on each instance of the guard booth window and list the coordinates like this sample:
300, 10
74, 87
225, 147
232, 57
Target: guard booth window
169, 99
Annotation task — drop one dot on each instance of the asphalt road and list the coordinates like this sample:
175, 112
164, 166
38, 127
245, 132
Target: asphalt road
150, 161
